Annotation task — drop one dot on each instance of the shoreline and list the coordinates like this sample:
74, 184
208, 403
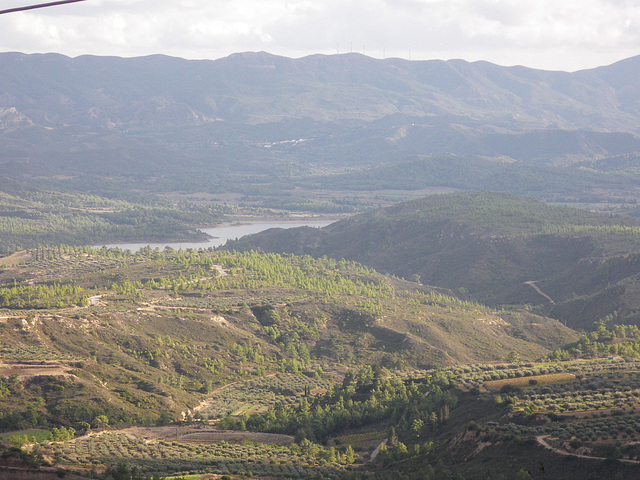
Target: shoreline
236, 220
233, 228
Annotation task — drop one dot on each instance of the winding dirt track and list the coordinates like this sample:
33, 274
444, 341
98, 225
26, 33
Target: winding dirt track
532, 283
541, 440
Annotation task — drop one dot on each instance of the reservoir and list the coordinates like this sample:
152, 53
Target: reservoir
221, 234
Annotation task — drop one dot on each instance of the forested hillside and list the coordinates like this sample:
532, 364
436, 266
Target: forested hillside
571, 264
163, 327
254, 364
31, 216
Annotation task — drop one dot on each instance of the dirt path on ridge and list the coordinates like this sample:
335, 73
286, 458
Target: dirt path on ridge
532, 283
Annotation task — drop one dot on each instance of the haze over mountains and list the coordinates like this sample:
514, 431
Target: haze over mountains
116, 93
259, 114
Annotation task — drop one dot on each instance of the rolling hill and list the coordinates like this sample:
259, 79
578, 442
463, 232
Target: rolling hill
140, 338
501, 249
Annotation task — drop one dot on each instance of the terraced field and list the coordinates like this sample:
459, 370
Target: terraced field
162, 457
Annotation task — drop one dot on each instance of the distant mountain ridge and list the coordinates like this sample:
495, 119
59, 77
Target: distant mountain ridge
110, 92
303, 134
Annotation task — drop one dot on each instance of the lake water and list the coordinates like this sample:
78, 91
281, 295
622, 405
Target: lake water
221, 234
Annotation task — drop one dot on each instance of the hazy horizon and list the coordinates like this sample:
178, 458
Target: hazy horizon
546, 35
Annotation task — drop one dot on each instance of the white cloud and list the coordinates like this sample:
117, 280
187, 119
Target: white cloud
544, 34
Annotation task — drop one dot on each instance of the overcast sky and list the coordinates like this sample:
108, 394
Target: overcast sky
549, 34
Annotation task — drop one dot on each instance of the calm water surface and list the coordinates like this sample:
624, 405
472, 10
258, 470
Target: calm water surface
221, 234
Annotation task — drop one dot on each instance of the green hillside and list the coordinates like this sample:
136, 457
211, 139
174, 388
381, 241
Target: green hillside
213, 363
472, 173
32, 216
140, 338
501, 249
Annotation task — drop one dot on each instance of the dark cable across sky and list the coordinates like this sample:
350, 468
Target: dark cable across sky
40, 5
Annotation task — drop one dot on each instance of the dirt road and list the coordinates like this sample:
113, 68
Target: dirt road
532, 283
541, 440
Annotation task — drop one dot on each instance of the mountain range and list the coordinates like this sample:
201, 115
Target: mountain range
251, 88
161, 124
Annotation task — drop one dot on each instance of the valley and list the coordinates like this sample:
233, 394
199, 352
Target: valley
466, 309
289, 367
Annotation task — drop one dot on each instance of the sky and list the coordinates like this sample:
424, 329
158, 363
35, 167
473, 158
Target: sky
564, 35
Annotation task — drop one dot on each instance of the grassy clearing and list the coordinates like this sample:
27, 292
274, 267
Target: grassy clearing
257, 395
524, 382
37, 433
15, 259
